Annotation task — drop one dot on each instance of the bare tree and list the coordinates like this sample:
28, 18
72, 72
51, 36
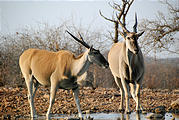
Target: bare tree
120, 13
161, 33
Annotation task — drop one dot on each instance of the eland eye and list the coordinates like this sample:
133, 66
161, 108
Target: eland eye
95, 52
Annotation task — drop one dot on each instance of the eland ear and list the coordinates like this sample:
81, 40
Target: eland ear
139, 34
123, 34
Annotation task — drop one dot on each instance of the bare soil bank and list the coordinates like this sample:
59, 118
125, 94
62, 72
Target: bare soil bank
14, 101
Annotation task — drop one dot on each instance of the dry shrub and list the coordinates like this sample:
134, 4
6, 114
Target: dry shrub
162, 73
44, 36
159, 74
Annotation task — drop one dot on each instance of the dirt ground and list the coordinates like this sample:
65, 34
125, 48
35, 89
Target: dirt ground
14, 101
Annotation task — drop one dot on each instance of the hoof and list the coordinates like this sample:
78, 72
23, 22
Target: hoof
89, 118
34, 116
138, 111
128, 112
121, 110
48, 116
80, 115
144, 112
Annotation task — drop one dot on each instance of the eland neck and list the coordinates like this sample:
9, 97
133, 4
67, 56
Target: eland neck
129, 56
81, 64
133, 59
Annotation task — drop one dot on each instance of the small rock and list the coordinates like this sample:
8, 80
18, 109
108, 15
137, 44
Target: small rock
117, 95
175, 105
69, 111
144, 112
175, 116
72, 119
46, 96
154, 116
87, 111
94, 108
89, 118
6, 117
159, 110
113, 98
176, 91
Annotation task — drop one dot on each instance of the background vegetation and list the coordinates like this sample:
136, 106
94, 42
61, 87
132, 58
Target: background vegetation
160, 35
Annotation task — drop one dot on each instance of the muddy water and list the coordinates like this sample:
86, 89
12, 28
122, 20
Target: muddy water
105, 116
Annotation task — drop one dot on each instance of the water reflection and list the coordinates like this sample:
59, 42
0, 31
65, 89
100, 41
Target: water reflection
127, 116
137, 116
102, 116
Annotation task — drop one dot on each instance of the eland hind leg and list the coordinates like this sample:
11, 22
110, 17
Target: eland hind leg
35, 86
29, 83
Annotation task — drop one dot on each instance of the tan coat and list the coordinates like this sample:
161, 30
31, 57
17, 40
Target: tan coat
43, 64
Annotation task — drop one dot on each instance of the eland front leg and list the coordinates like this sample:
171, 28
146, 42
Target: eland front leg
138, 105
135, 92
126, 90
76, 96
119, 84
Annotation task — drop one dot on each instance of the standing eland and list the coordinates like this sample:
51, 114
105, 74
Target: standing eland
127, 65
57, 70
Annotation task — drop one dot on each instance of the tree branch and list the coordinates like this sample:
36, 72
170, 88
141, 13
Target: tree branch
106, 17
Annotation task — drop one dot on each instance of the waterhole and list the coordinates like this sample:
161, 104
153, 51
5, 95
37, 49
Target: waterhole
104, 116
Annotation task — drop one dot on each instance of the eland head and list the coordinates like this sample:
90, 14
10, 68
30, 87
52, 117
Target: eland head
131, 38
94, 56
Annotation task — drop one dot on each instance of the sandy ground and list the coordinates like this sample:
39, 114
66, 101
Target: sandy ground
14, 101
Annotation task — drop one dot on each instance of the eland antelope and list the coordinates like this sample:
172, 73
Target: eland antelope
57, 70
127, 65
